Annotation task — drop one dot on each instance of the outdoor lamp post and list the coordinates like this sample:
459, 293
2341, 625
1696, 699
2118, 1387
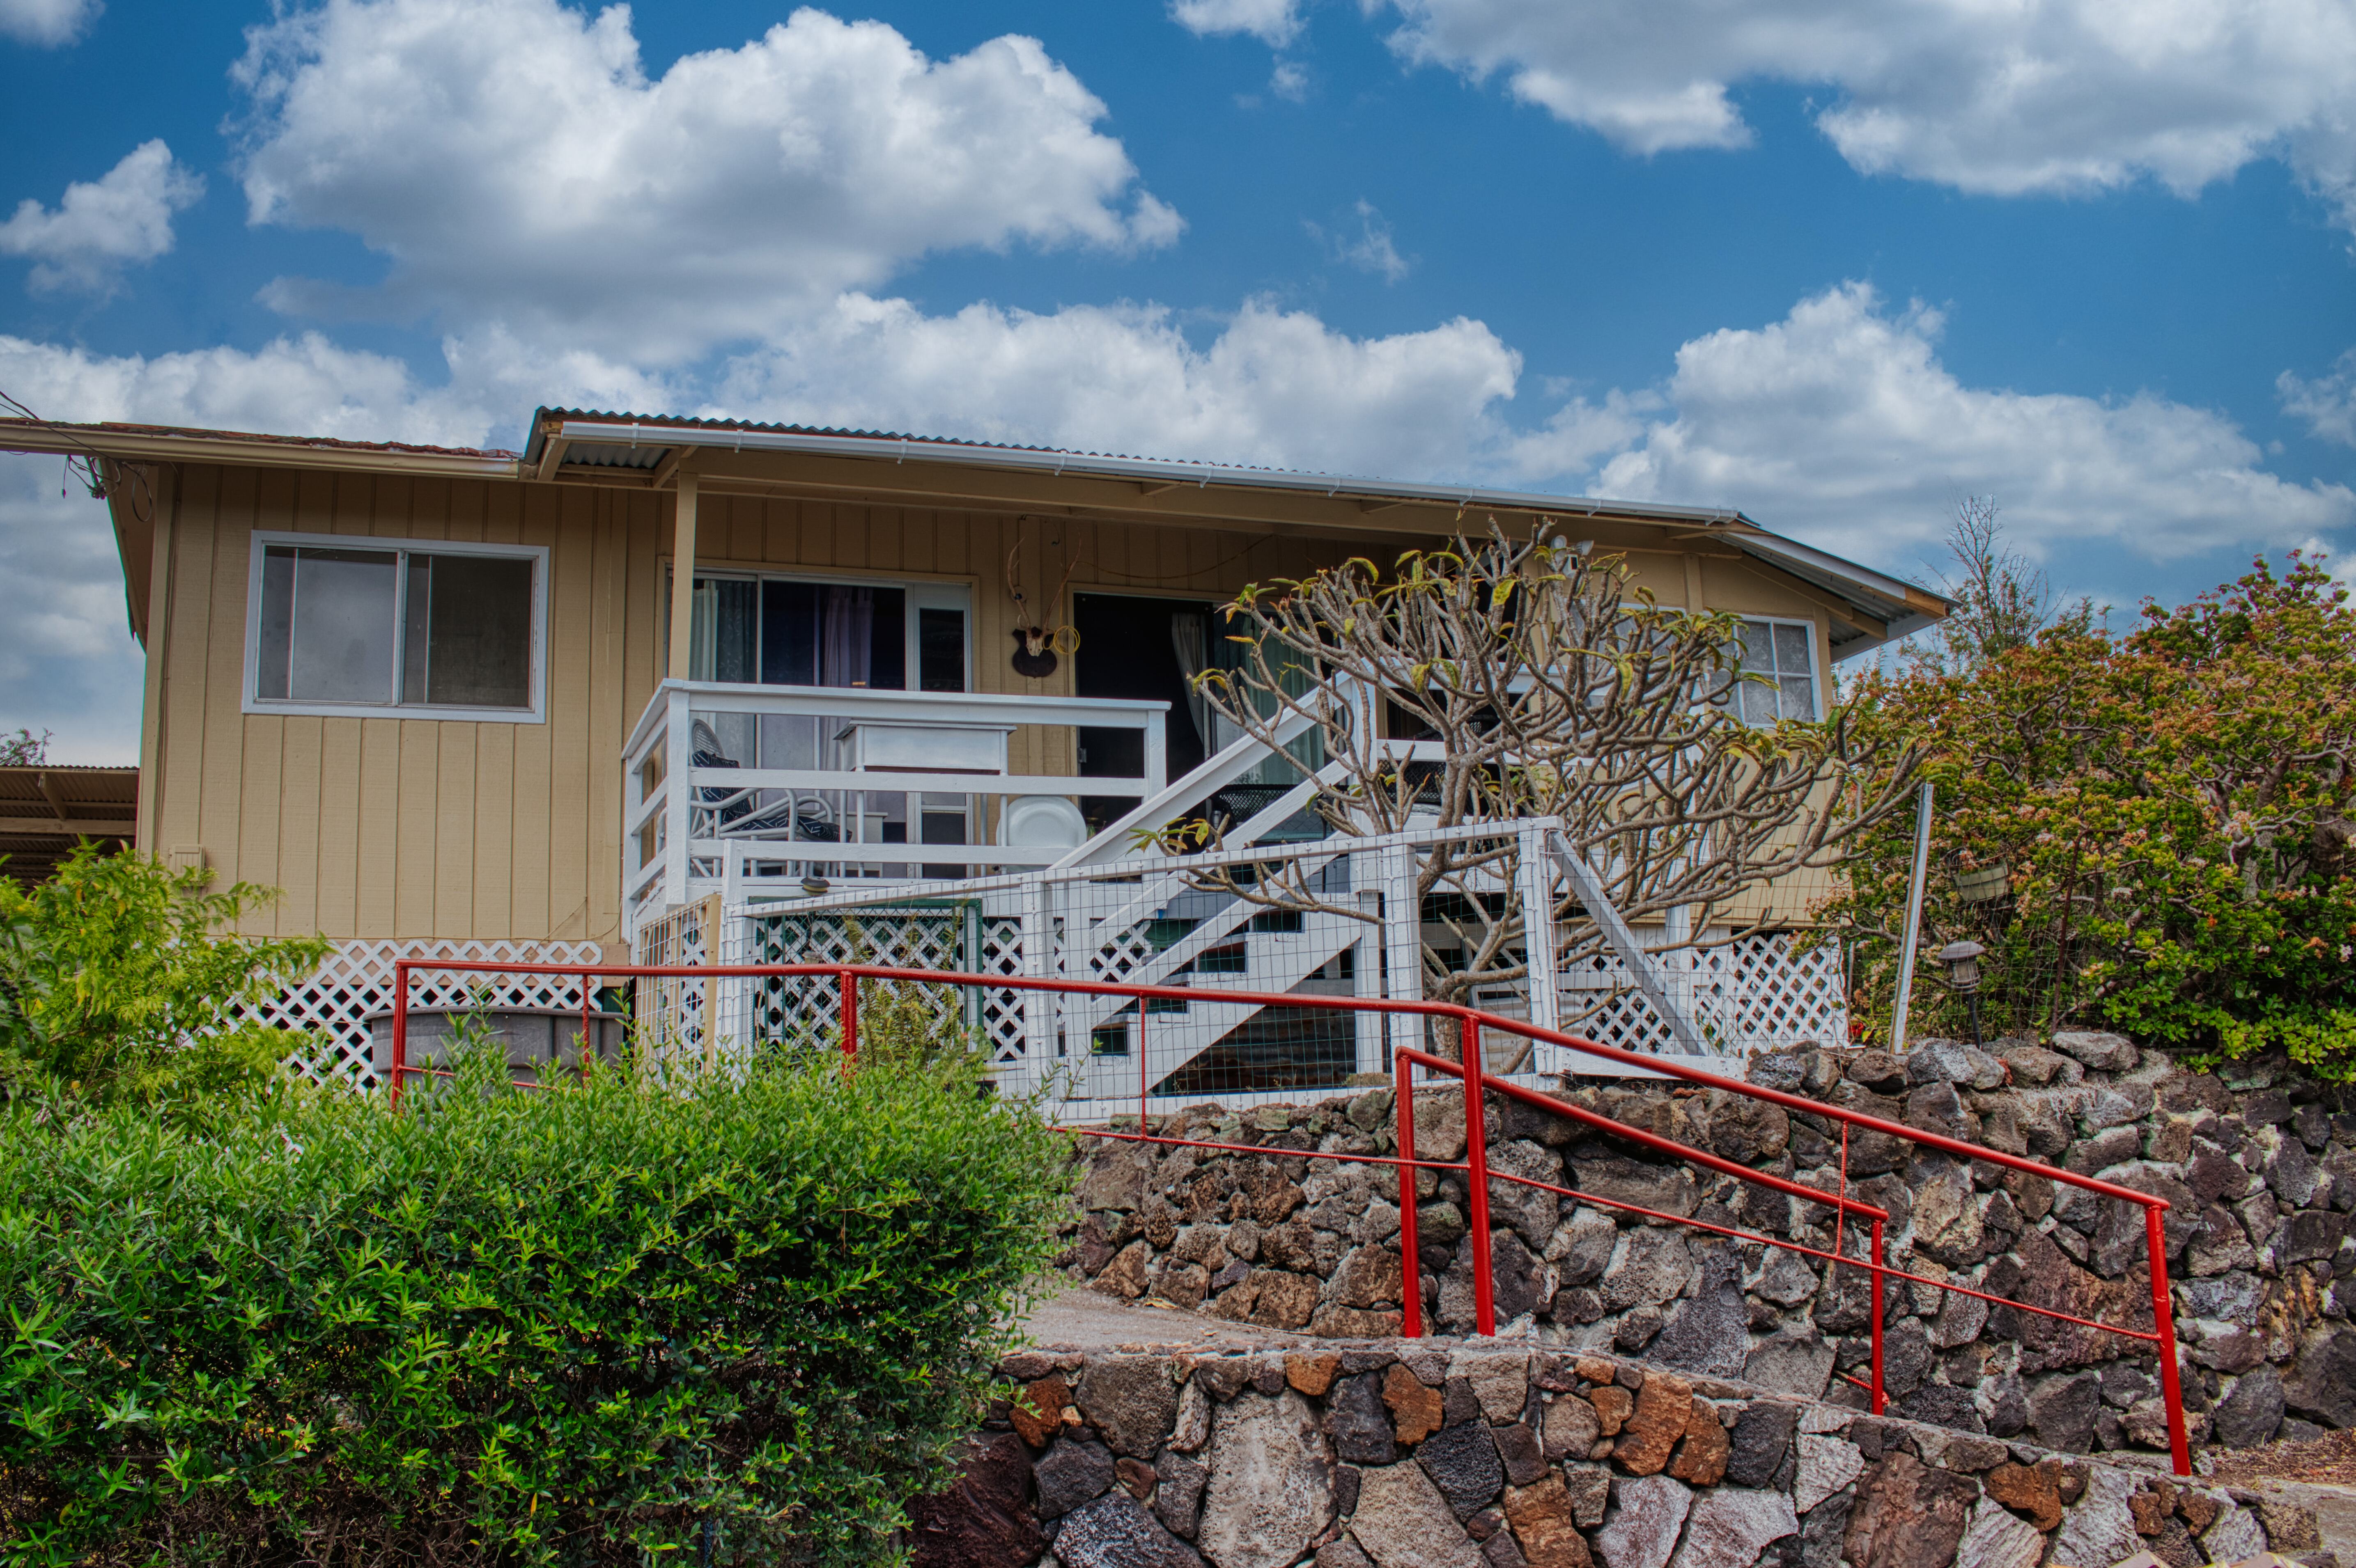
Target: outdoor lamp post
1962, 962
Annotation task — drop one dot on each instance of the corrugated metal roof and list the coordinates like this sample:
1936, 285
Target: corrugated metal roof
98, 803
547, 417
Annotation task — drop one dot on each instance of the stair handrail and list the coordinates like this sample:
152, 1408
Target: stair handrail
1215, 773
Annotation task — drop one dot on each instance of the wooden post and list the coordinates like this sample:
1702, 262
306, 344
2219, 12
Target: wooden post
683, 581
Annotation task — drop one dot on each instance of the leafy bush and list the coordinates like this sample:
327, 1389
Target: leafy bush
742, 1318
117, 987
2170, 813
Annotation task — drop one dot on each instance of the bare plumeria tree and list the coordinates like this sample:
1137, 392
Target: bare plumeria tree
1553, 687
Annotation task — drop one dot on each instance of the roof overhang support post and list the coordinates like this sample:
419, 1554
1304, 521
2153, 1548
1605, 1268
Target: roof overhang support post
682, 580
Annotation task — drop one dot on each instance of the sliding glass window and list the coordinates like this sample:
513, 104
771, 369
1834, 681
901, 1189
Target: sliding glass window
396, 627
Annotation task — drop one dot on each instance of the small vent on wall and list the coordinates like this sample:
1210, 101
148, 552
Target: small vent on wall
187, 858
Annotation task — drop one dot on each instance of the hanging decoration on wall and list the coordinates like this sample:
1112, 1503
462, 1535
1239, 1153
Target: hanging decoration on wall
1035, 649
1035, 646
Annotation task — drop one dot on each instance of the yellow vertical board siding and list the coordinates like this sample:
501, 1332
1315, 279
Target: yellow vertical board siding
339, 847
609, 720
180, 793
568, 784
412, 867
492, 819
297, 805
459, 805
377, 840
532, 847
222, 772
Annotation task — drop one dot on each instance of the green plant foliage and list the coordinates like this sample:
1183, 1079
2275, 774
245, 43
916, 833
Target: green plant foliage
2170, 810
117, 985
741, 1320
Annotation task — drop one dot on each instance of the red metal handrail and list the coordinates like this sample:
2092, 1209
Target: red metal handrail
1475, 1166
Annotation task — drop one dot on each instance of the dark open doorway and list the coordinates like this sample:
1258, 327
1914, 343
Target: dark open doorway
1132, 647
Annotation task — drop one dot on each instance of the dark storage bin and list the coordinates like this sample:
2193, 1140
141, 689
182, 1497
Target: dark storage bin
534, 1037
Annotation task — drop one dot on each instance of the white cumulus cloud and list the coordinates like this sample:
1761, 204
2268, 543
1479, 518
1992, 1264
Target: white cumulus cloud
2054, 96
47, 24
2327, 403
295, 385
516, 164
1371, 249
1839, 424
1275, 23
104, 225
66, 660
1274, 387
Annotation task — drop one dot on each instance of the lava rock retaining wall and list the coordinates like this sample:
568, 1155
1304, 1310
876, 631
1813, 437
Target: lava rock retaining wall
1486, 1455
2259, 1165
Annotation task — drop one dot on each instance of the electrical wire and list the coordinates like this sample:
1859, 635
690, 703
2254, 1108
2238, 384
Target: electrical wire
85, 466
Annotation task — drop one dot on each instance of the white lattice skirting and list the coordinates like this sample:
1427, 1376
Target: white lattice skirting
334, 1005
1753, 993
960, 938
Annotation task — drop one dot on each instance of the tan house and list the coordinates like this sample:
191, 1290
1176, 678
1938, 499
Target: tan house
455, 697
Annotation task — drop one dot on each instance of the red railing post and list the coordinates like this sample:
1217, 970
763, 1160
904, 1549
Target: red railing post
586, 992
850, 984
400, 1029
1476, 1174
1410, 1279
1880, 1400
2163, 1323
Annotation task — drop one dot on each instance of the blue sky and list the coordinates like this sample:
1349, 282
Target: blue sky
1832, 263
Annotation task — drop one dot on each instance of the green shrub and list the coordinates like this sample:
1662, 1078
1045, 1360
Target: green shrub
2171, 812
745, 1318
116, 985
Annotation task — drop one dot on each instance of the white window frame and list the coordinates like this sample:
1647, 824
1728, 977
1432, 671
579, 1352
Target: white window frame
537, 713
1816, 668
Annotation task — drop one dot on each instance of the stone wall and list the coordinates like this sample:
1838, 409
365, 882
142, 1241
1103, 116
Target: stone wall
1434, 1454
2259, 1165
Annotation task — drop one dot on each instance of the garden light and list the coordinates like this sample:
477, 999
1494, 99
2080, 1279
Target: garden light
1962, 962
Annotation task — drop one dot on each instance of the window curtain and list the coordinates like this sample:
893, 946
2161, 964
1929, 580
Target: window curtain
1186, 636
847, 637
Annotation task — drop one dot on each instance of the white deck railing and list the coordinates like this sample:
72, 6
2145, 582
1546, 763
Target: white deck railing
727, 786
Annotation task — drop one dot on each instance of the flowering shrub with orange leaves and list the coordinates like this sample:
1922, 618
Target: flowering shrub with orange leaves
2170, 808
